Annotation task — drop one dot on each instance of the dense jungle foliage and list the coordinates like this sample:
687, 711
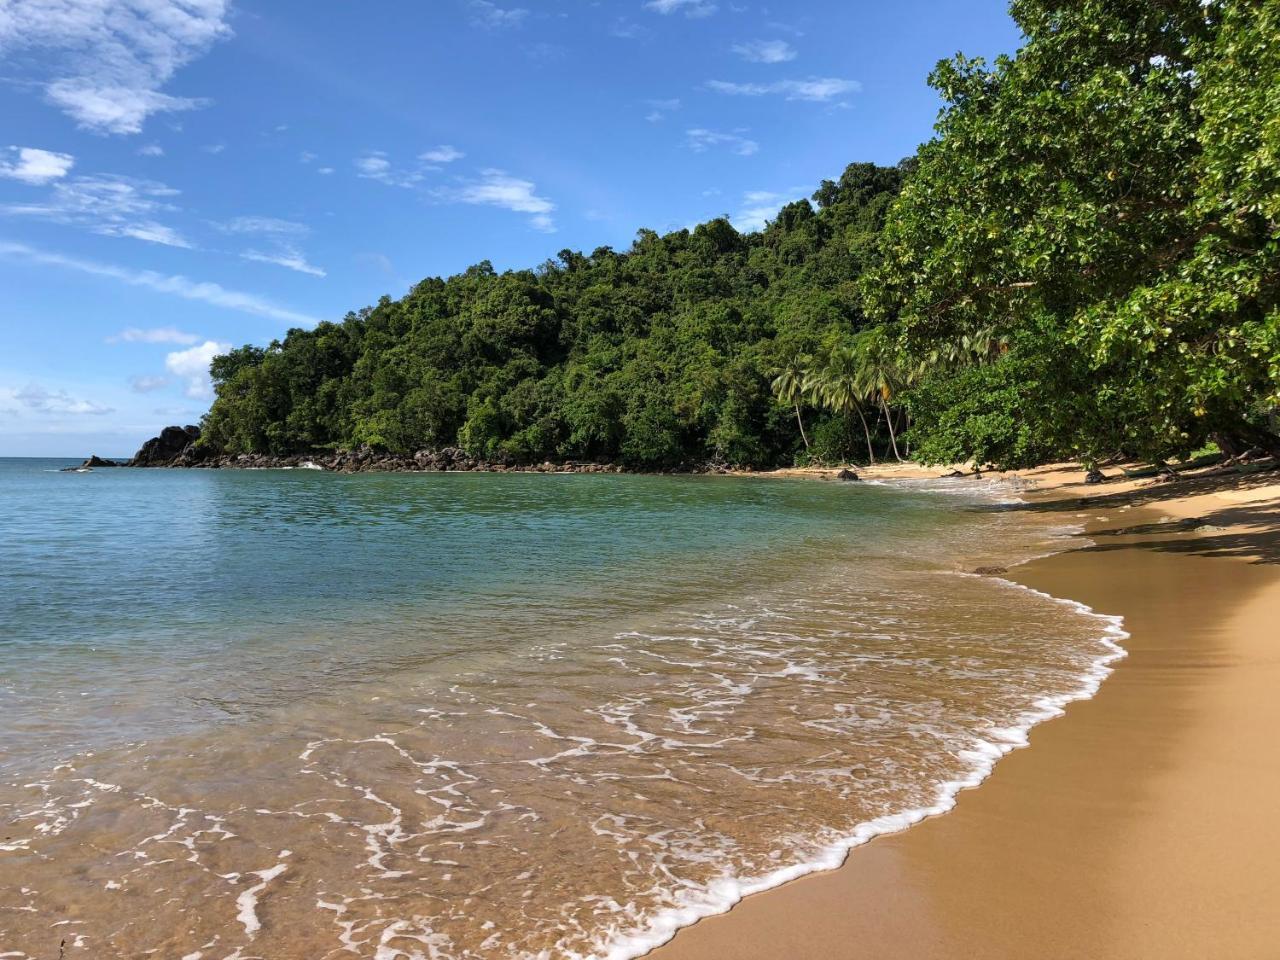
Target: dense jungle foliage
1084, 261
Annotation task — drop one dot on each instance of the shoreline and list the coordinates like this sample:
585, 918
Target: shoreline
1048, 822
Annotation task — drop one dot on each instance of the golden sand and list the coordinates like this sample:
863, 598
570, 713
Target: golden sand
1140, 825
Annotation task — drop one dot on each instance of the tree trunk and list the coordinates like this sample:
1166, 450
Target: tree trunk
1247, 436
893, 440
800, 423
871, 453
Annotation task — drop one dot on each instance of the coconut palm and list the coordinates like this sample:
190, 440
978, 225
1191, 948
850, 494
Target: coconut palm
789, 387
881, 374
838, 383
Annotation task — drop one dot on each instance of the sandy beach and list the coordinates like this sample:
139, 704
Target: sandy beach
1141, 824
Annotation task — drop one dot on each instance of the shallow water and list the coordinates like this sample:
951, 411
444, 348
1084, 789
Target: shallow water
287, 714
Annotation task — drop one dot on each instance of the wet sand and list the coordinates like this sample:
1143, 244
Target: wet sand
1140, 825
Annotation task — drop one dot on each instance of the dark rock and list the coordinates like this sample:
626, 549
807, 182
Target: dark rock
990, 571
1095, 476
163, 450
847, 475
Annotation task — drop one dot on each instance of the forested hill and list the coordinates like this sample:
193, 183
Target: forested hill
1084, 262
659, 356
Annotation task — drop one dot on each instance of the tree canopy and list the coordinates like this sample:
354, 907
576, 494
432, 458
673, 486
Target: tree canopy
1105, 203
1083, 262
659, 356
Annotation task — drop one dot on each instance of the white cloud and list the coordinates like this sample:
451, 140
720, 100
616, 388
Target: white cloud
306, 156
700, 140
658, 109
109, 205
269, 225
144, 384
214, 148
690, 8
496, 188
445, 153
42, 400
36, 167
175, 285
287, 256
104, 62
278, 233
324, 171
192, 366
151, 232
628, 30
761, 206
151, 150
765, 51
153, 335
493, 17
815, 89
374, 165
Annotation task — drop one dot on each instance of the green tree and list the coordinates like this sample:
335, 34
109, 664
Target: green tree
789, 386
1080, 205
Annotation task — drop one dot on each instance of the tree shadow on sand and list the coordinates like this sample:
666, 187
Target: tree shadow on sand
1249, 531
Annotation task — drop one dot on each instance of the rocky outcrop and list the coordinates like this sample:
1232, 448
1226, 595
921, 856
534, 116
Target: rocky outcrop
173, 444
366, 460
847, 475
93, 461
177, 447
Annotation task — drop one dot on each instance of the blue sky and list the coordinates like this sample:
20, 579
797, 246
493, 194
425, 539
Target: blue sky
180, 175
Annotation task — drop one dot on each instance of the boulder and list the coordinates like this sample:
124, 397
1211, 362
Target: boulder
163, 450
847, 475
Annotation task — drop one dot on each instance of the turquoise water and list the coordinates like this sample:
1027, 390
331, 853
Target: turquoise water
294, 714
136, 598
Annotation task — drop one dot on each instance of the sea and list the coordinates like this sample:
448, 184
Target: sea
293, 714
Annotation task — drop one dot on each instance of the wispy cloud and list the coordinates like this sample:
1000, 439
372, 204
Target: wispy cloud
142, 383
281, 235
445, 153
174, 285
109, 205
658, 109
42, 400
496, 188
192, 366
151, 150
152, 335
150, 232
815, 89
34, 166
693, 9
700, 140
289, 257
765, 51
104, 62
626, 29
761, 206
254, 224
374, 165
493, 17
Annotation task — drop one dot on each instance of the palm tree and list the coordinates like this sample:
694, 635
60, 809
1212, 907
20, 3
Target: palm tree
881, 374
838, 383
789, 387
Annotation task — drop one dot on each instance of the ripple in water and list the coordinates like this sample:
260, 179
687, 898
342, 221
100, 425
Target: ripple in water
425, 717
